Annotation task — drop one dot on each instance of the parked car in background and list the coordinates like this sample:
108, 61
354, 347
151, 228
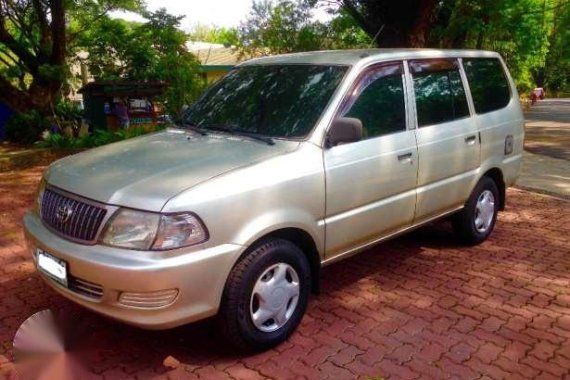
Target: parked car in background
287, 164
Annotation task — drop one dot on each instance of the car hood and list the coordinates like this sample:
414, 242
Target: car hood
145, 172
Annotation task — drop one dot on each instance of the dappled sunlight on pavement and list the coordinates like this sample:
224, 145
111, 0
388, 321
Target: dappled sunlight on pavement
546, 160
420, 306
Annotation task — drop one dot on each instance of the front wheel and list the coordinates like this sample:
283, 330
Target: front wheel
265, 296
476, 221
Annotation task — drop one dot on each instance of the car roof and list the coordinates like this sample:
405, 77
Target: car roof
352, 57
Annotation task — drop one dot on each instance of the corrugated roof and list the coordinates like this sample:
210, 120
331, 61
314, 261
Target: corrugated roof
216, 56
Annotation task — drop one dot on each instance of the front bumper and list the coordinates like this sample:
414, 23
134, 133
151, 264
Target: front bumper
198, 276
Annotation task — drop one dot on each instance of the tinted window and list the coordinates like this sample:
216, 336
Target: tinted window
488, 84
274, 100
380, 103
440, 96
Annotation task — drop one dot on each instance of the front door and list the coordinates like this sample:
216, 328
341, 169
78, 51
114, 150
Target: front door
370, 184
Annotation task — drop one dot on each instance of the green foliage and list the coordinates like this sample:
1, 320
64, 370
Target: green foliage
281, 27
26, 127
153, 51
344, 33
557, 65
66, 110
214, 34
531, 35
52, 73
36, 39
111, 45
287, 26
518, 29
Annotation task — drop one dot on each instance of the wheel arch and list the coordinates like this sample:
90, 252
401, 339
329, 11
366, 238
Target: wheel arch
496, 175
301, 239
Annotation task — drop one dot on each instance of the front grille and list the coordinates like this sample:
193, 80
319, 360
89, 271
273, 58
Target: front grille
85, 288
71, 217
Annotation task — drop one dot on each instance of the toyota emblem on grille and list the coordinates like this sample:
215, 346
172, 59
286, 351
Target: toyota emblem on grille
63, 213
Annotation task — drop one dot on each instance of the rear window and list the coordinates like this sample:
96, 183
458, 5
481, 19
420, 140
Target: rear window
488, 83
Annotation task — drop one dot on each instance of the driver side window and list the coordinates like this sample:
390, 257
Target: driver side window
378, 101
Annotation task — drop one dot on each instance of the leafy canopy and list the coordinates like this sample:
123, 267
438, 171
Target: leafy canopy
154, 50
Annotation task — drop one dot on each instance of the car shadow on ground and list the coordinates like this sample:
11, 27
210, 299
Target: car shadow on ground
102, 343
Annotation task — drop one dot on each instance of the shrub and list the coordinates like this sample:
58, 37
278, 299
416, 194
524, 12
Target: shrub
26, 127
97, 138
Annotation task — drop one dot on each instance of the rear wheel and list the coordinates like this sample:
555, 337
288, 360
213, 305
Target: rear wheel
476, 221
265, 296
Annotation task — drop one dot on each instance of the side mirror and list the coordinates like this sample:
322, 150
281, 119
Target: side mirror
344, 130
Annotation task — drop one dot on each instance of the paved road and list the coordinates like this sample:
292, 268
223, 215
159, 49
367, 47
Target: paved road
417, 307
546, 166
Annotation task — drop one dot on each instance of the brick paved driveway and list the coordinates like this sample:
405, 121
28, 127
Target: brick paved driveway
416, 307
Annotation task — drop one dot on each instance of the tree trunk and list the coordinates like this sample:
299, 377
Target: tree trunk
44, 89
392, 24
480, 39
390, 38
419, 35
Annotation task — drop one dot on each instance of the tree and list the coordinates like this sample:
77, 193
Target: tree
34, 43
278, 28
344, 33
557, 63
151, 51
518, 29
214, 34
288, 26
531, 35
403, 23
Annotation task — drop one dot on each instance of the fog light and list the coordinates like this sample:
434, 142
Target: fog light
148, 300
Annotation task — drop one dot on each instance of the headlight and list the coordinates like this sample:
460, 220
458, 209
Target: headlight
179, 230
145, 230
40, 195
132, 229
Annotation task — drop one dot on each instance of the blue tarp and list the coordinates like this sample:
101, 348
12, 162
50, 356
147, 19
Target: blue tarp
5, 114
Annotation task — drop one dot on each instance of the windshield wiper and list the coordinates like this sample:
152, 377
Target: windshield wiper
235, 130
192, 127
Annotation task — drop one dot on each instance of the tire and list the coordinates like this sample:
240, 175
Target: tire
476, 221
263, 284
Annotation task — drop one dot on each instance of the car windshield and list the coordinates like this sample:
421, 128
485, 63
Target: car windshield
282, 101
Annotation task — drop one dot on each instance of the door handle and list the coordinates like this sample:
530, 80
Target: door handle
470, 140
405, 158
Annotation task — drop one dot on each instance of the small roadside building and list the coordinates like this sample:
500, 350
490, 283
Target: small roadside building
102, 99
215, 59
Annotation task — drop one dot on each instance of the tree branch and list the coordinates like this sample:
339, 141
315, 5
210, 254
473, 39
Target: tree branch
45, 34
16, 48
353, 11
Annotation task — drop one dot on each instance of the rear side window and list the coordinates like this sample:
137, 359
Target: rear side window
379, 102
488, 84
440, 96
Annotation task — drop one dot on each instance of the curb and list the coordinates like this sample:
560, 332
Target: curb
545, 193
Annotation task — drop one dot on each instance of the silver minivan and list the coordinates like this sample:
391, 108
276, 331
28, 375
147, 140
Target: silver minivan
287, 164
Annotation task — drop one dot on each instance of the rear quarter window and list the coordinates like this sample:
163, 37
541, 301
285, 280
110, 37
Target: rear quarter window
488, 84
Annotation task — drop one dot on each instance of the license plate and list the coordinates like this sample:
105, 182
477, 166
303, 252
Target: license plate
52, 266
